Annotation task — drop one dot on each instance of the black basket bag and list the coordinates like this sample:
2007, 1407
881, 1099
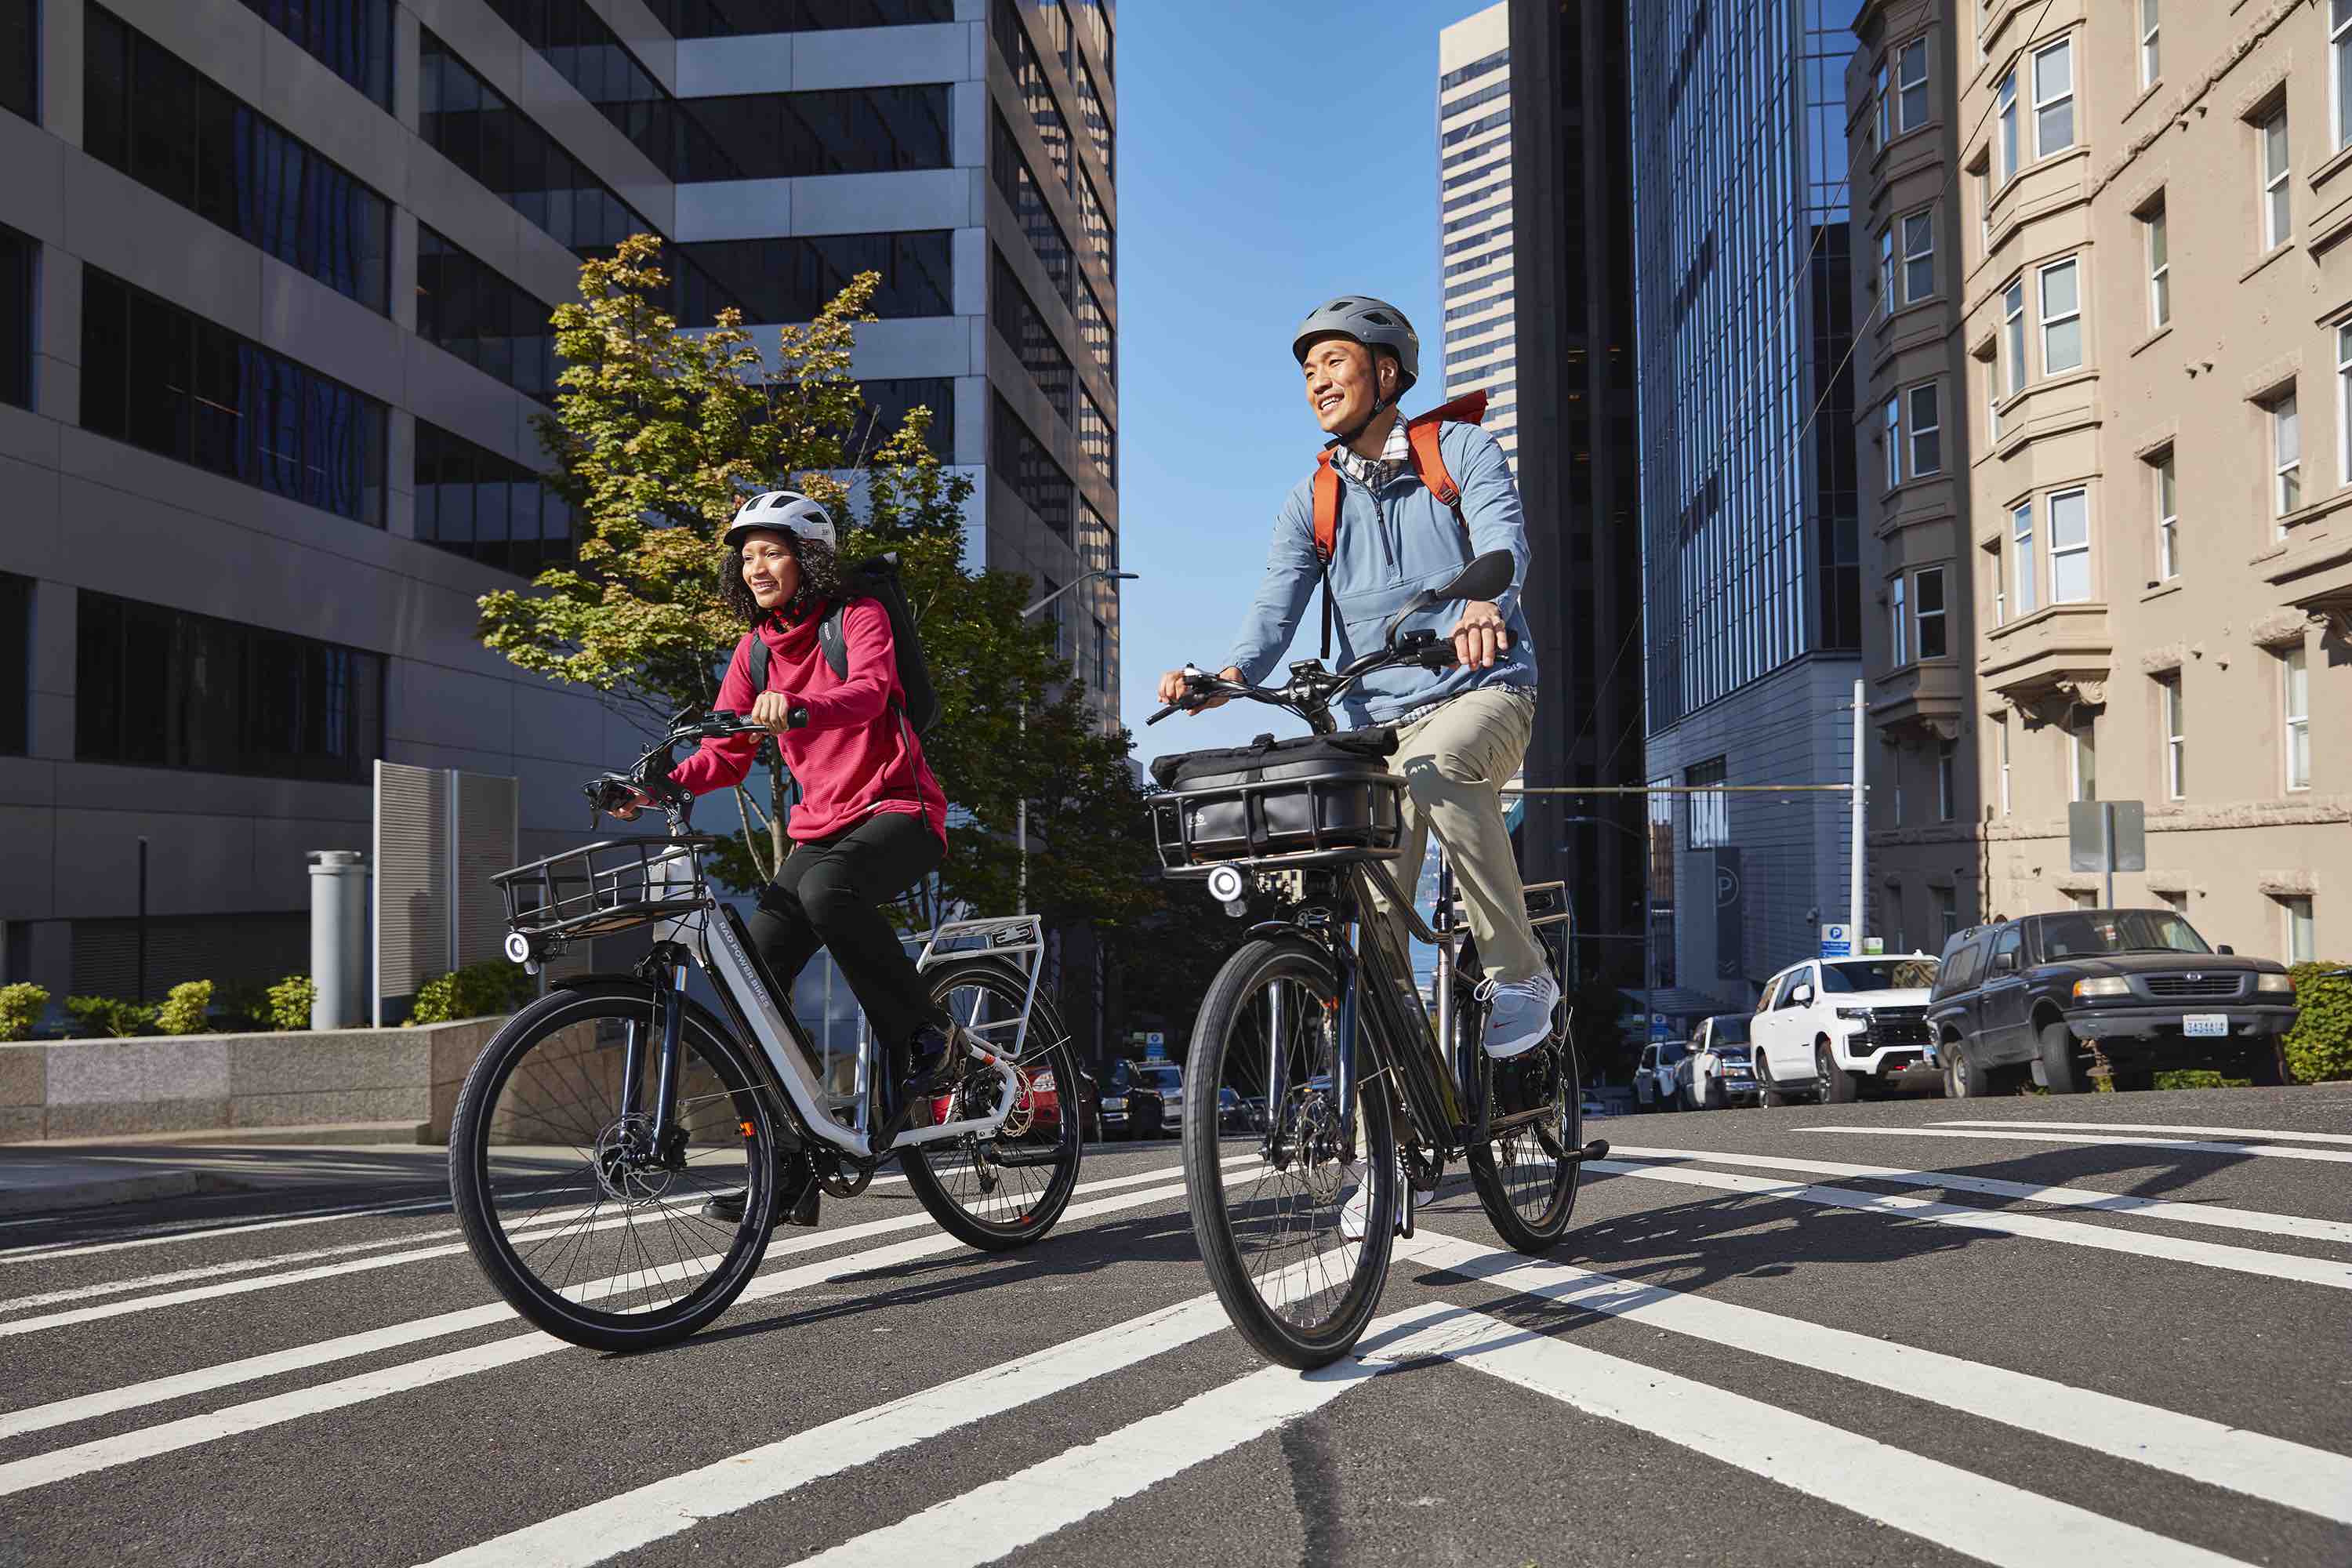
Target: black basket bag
1314, 793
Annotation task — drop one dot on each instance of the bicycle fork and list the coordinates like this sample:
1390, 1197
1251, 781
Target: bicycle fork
650, 1136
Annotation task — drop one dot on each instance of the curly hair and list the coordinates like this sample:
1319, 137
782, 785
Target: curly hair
820, 580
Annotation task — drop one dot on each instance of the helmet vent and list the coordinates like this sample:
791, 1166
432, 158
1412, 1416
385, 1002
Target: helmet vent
1376, 318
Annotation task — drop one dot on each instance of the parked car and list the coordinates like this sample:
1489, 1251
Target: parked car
2071, 996
1143, 1099
1654, 1087
1717, 1072
1832, 1028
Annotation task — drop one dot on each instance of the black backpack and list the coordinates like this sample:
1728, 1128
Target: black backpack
877, 580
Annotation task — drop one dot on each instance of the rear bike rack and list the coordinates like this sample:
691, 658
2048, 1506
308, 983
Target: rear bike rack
1021, 938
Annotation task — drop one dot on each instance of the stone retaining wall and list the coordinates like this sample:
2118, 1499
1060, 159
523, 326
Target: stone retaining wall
94, 1088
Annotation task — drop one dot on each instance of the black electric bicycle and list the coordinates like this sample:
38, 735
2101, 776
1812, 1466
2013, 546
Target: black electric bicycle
600, 1120
1298, 1241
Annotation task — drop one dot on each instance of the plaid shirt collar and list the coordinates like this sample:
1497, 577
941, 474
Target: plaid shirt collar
1372, 473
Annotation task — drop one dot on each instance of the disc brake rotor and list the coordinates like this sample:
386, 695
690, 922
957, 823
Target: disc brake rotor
626, 1168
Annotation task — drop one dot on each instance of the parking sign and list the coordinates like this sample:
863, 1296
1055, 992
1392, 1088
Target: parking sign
1837, 942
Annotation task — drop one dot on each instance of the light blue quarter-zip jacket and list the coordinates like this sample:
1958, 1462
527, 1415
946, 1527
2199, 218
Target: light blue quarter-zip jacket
1389, 547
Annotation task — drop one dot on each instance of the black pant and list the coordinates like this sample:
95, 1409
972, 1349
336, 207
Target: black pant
829, 894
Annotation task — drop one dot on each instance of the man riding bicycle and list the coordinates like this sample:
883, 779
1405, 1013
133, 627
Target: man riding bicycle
1463, 733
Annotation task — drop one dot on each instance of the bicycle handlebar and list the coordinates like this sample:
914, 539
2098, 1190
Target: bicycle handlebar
1312, 690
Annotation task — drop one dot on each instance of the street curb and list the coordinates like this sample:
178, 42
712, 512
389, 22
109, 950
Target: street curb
117, 1190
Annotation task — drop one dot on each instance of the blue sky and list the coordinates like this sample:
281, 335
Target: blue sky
1269, 157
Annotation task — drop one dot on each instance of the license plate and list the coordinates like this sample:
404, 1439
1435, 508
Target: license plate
2205, 1024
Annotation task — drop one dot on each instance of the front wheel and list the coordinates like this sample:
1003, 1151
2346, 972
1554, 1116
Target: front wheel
1296, 1222
997, 1194
1838, 1086
585, 1214
2065, 1065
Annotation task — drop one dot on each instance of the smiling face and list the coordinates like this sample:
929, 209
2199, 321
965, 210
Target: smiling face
770, 569
1340, 382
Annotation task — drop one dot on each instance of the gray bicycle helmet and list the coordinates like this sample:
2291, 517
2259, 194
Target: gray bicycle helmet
1375, 323
786, 511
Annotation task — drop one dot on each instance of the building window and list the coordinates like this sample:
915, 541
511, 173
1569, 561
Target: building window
1023, 193
2083, 755
840, 130
1919, 257
1101, 241
887, 404
470, 501
1928, 598
2344, 405
1999, 585
2175, 901
2302, 939
2028, 568
1899, 621
1947, 791
1102, 656
1881, 127
1992, 395
2069, 547
175, 130
2339, 67
163, 688
473, 125
1911, 87
16, 664
2062, 317
2278, 181
2013, 312
1022, 461
1098, 118
776, 281
730, 18
1036, 93
2001, 728
1710, 808
1096, 440
2167, 520
2159, 271
2294, 690
157, 377
2286, 458
478, 314
1889, 299
18, 255
2005, 96
1093, 328
1893, 441
1023, 326
2054, 99
350, 37
2152, 52
1948, 902
1984, 210
1927, 431
2176, 736
20, 38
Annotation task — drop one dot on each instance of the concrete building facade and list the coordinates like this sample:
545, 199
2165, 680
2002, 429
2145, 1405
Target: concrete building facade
272, 285
1474, 216
1748, 514
2159, 321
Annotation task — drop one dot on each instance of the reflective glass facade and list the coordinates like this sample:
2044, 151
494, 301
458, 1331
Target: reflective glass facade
472, 310
1740, 267
17, 253
1475, 219
473, 502
729, 18
18, 80
350, 37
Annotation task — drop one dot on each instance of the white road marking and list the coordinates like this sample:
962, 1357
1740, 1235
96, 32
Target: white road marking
2040, 1227
2232, 1134
199, 1230
2271, 1469
2214, 1214
2272, 1150
646, 1514
105, 1453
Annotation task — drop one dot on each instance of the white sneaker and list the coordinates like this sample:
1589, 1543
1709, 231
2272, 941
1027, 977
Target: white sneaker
1519, 1016
1355, 1214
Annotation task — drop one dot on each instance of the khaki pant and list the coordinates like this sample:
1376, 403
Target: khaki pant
1455, 763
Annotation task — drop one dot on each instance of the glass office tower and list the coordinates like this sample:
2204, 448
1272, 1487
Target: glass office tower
1474, 216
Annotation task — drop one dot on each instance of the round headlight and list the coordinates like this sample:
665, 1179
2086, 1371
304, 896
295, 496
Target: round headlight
517, 947
1225, 884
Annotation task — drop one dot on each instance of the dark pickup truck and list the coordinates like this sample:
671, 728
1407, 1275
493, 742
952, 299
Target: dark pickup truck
2082, 994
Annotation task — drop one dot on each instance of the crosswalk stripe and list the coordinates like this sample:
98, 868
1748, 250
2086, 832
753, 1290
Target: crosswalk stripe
2271, 1469
2232, 1134
2270, 1151
640, 1517
1925, 1498
105, 1453
2213, 1215
202, 1230
2040, 1227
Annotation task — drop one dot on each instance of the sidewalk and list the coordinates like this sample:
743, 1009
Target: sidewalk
38, 1179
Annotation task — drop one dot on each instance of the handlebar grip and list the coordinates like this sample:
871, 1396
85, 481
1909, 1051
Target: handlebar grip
1159, 716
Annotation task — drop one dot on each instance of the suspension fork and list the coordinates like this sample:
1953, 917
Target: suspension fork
665, 969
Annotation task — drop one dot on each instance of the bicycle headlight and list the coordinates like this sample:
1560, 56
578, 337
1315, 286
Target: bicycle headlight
2107, 985
517, 947
1225, 884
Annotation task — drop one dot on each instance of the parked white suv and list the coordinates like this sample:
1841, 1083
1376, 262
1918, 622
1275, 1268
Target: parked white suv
1831, 1027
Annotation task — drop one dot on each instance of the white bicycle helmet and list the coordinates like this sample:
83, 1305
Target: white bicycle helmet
785, 512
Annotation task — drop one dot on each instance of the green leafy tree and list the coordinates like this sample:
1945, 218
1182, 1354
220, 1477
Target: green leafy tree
659, 433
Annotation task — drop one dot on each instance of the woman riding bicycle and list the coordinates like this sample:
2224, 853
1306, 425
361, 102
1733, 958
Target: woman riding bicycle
871, 821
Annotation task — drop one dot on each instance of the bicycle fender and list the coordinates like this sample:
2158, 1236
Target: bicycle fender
1272, 929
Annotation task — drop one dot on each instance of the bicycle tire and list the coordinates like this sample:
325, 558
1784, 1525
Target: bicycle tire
1507, 1201
1048, 1043
1219, 1059
477, 1129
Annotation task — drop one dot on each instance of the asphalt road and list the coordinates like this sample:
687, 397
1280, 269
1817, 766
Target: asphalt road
1865, 1335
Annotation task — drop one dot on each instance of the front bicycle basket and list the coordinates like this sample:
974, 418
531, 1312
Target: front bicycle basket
1324, 795
607, 887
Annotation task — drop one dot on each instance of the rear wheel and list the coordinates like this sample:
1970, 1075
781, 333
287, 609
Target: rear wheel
1000, 1193
1272, 1209
1524, 1181
1768, 1089
586, 1216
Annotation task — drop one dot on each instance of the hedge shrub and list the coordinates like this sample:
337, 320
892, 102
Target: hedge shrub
188, 1010
2319, 1047
479, 989
287, 1005
21, 1007
110, 1018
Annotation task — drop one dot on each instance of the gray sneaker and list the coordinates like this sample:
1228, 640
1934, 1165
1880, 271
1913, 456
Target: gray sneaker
1519, 1016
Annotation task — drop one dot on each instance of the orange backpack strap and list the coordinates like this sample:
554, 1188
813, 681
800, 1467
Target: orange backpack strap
1422, 435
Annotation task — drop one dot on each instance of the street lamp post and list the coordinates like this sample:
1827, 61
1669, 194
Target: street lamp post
1649, 919
1022, 832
